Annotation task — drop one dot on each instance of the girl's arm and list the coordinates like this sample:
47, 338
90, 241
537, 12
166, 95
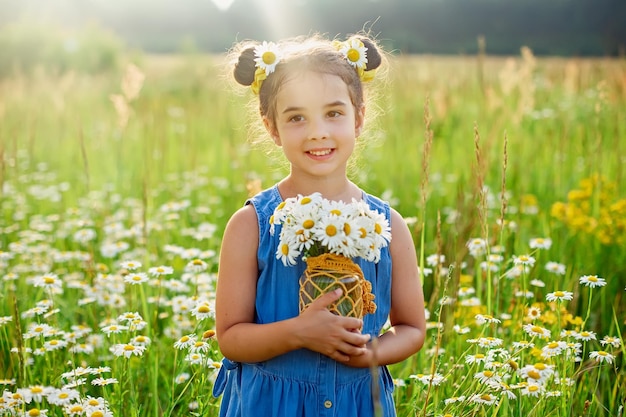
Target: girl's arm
242, 340
408, 324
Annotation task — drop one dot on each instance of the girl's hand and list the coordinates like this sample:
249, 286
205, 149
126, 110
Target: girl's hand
331, 335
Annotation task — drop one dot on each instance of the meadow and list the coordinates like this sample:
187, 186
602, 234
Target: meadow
115, 189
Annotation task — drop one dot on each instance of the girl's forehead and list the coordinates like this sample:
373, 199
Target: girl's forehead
307, 86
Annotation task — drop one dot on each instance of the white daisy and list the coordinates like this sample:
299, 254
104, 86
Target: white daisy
601, 356
355, 52
555, 268
592, 281
540, 243
560, 296
267, 56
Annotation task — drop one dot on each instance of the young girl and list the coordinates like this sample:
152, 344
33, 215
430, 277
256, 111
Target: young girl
280, 362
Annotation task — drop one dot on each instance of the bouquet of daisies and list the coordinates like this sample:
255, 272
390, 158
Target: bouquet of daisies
313, 225
328, 235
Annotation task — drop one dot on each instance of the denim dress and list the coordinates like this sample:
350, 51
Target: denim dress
303, 383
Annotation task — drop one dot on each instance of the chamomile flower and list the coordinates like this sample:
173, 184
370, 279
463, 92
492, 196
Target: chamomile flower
127, 349
553, 348
488, 377
560, 296
538, 373
540, 243
487, 399
485, 318
100, 382
477, 358
267, 56
592, 281
203, 310
536, 331
533, 313
601, 356
355, 52
532, 389
182, 378
136, 278
477, 247
610, 340
158, 271
185, 341
586, 335
49, 281
287, 253
524, 260
555, 268
130, 265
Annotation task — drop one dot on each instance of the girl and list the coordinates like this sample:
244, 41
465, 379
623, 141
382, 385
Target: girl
279, 362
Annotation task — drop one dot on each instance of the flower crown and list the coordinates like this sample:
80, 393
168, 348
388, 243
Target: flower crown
268, 55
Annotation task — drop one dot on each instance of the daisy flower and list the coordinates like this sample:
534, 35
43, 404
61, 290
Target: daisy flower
610, 340
477, 247
196, 265
202, 310
537, 373
100, 382
533, 313
540, 243
487, 399
586, 336
592, 281
63, 397
157, 271
488, 377
536, 331
182, 378
136, 278
267, 56
560, 296
485, 318
130, 265
553, 349
185, 341
601, 356
127, 350
355, 52
555, 268
524, 260
453, 400
194, 358
532, 390
49, 281
477, 358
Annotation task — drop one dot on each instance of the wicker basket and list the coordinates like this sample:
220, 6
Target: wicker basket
328, 272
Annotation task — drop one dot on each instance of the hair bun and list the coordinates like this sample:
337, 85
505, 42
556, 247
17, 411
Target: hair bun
245, 67
374, 58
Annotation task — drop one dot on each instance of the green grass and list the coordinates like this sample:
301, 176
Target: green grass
538, 143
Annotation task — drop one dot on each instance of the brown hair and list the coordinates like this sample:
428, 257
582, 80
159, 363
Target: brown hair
312, 54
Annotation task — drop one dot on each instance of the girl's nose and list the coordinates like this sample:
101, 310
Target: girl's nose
318, 130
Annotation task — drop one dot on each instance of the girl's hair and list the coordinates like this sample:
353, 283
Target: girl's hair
304, 54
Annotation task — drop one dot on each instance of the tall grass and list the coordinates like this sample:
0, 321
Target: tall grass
509, 171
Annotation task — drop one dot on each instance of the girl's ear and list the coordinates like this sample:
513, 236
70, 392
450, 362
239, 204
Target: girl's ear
359, 119
271, 129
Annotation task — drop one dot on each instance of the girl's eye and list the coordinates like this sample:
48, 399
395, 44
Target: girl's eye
296, 118
334, 113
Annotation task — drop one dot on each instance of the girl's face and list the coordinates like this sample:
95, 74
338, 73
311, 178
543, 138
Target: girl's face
316, 124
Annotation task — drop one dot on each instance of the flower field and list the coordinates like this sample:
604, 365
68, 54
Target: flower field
115, 189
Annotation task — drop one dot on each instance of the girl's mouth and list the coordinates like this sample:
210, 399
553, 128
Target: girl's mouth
320, 152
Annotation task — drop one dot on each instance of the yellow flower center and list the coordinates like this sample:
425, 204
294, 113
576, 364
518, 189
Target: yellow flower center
378, 229
559, 293
305, 200
592, 278
363, 233
536, 329
140, 339
204, 309
488, 374
533, 388
485, 397
63, 395
269, 57
308, 224
602, 353
284, 249
97, 413
336, 212
553, 345
208, 334
76, 409
184, 339
331, 230
479, 356
129, 348
353, 55
48, 280
534, 375
540, 366
36, 390
346, 228
34, 412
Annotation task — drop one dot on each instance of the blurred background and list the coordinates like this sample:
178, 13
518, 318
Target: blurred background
548, 27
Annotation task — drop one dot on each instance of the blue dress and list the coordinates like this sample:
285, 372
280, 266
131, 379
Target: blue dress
303, 383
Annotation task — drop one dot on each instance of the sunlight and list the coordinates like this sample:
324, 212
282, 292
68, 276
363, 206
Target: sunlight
223, 4
283, 19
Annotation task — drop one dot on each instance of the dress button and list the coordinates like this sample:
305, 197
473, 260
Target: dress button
328, 403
